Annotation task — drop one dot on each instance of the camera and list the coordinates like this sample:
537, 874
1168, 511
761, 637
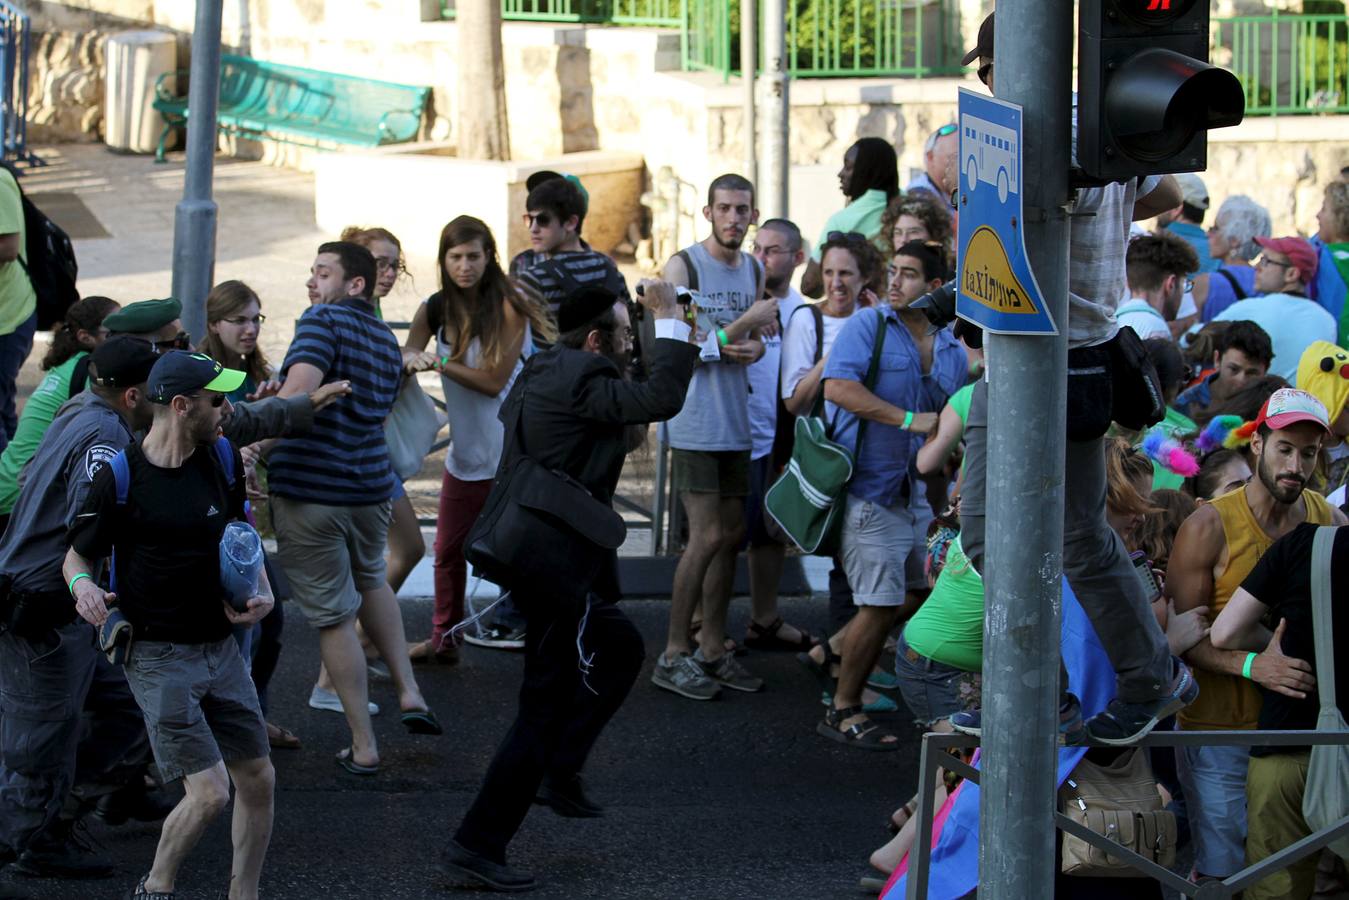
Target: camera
939, 306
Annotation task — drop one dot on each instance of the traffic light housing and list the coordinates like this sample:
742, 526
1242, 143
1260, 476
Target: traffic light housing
1146, 92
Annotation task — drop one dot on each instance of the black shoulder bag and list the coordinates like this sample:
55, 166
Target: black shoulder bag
540, 529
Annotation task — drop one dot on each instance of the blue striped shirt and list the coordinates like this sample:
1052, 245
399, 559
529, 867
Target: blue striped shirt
344, 460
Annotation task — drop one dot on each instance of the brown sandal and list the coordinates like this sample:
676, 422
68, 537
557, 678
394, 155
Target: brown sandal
279, 738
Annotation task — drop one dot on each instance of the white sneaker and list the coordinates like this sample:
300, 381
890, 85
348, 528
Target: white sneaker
321, 699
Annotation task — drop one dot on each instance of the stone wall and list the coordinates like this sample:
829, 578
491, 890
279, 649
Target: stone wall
65, 95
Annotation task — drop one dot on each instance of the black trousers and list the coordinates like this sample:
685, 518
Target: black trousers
560, 717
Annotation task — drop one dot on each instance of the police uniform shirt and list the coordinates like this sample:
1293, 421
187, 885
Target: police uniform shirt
83, 437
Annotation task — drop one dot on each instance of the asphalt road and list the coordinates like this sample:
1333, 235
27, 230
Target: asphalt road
736, 798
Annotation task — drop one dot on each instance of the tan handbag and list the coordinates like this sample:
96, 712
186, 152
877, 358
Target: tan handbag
1121, 802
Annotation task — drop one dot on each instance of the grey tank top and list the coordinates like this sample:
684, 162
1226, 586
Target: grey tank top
716, 410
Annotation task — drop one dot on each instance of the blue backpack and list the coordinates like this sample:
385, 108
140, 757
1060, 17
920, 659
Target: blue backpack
121, 476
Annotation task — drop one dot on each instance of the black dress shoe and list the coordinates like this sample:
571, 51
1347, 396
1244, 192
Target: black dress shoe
66, 860
483, 872
567, 797
134, 802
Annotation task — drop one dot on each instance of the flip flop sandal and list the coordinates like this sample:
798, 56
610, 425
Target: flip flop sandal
865, 735
908, 809
279, 738
871, 884
766, 637
729, 644
347, 760
822, 670
421, 721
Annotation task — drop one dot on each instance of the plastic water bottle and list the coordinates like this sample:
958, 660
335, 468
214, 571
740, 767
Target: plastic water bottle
240, 563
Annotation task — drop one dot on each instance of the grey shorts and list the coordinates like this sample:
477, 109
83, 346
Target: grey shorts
199, 705
883, 550
330, 554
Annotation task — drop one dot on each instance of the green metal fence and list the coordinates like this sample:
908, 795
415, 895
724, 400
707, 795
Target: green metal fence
833, 38
1287, 64
660, 13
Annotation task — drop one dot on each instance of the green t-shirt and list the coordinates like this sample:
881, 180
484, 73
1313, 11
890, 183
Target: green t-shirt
17, 300
1178, 426
863, 216
949, 626
37, 415
960, 402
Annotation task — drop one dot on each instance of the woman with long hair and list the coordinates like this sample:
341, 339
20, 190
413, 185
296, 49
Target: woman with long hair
870, 180
481, 325
233, 323
66, 364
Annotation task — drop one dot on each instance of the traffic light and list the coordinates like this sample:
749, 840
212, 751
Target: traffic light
1146, 93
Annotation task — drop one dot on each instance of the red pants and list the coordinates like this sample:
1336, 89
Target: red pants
460, 503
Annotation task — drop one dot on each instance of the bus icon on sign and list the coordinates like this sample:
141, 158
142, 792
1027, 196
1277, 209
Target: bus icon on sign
990, 155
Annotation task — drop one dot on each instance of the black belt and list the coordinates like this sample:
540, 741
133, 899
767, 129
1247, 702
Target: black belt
33, 613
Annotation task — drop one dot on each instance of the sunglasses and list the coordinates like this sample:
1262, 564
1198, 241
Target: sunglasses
983, 71
180, 341
543, 219
847, 237
217, 401
943, 131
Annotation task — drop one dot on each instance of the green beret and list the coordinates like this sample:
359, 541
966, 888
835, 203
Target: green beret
143, 317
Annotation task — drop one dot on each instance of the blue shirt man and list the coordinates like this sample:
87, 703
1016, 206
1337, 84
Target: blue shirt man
881, 469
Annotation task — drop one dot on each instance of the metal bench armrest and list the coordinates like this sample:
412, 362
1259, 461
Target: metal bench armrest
162, 92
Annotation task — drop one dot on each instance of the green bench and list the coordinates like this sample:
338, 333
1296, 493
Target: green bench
300, 106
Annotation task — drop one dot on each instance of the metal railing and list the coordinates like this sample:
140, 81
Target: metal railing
934, 756
659, 13
16, 31
834, 38
1288, 64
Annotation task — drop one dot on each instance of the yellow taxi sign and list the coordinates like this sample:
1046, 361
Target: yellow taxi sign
988, 279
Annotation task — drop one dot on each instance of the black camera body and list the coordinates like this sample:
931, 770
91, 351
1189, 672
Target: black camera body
939, 306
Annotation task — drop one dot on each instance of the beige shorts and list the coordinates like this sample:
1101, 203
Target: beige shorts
330, 554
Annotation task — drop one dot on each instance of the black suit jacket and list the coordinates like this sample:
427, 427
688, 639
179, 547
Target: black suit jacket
573, 407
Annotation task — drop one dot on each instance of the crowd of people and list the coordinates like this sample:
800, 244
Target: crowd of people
1187, 536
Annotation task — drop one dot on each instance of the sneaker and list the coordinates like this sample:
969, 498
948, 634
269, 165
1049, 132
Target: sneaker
970, 721
482, 872
567, 797
1123, 723
685, 677
729, 672
321, 699
498, 637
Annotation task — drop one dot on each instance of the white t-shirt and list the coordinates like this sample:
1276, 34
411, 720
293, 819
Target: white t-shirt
1139, 315
798, 345
763, 381
476, 434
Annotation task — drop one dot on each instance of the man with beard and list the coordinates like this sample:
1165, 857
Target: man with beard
1157, 267
159, 509
1215, 549
712, 439
569, 410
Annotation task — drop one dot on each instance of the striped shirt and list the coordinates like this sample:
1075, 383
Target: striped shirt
344, 460
557, 275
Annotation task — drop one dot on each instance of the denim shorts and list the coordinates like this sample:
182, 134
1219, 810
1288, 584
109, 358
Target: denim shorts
933, 691
199, 705
1214, 782
884, 550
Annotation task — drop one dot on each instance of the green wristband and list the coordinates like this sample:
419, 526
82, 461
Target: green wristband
77, 578
1246, 666
908, 420
721, 337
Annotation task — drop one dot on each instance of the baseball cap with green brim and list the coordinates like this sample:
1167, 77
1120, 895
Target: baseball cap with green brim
179, 373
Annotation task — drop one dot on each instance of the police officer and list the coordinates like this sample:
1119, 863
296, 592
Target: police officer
50, 667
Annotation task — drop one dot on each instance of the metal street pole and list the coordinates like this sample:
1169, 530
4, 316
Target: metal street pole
776, 111
1026, 444
749, 64
194, 218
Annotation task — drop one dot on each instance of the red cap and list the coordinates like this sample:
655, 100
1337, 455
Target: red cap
1299, 253
1289, 405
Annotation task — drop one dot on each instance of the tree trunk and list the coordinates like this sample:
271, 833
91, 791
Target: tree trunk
483, 131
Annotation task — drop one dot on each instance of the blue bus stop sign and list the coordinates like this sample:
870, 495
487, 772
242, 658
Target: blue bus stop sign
998, 291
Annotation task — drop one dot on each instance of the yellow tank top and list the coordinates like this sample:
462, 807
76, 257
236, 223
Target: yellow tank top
1229, 702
